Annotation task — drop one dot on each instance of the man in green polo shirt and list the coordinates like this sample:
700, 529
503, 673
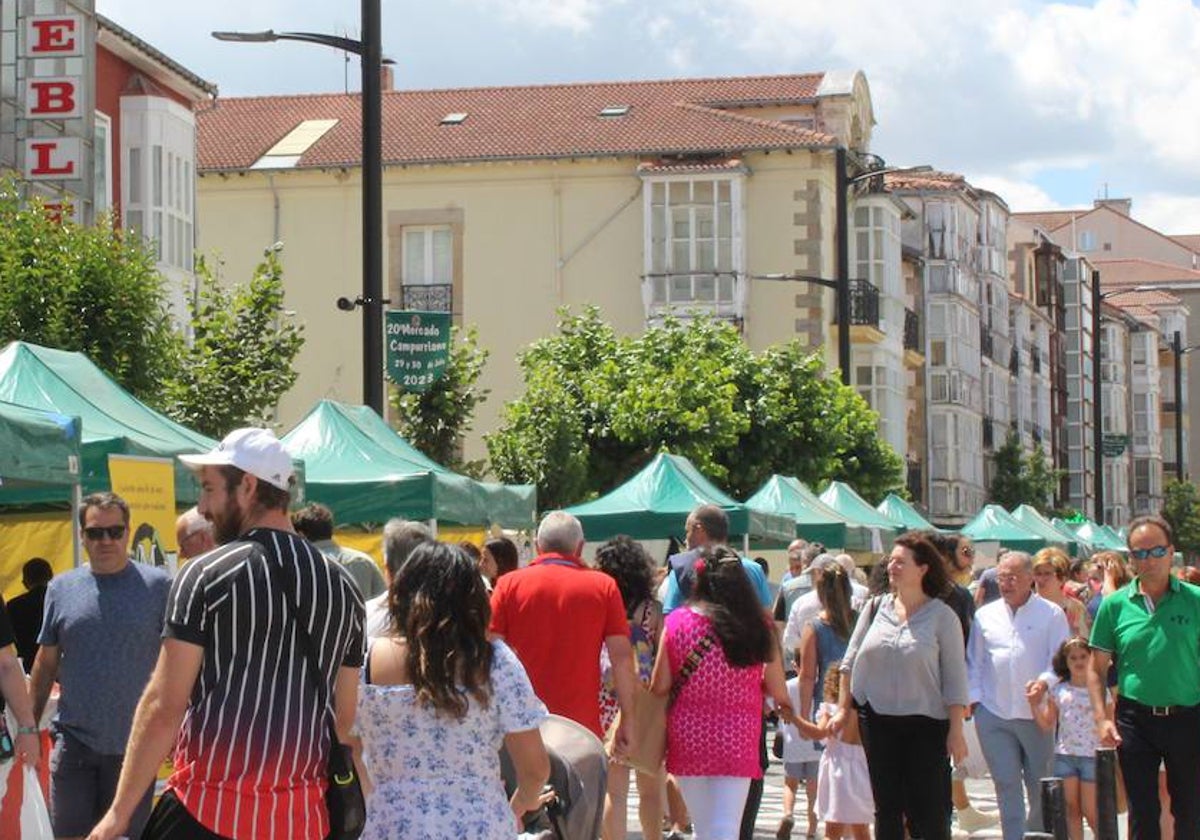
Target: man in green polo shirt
1152, 626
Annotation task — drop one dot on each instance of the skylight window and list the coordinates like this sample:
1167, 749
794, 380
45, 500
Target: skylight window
614, 110
287, 152
454, 119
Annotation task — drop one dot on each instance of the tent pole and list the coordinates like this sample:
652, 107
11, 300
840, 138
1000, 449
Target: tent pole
76, 503
746, 545
433, 528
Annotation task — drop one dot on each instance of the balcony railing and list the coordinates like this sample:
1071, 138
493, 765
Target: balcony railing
912, 331
427, 298
864, 304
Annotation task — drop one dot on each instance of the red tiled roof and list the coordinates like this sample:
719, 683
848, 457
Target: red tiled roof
1148, 299
683, 117
668, 166
1191, 241
924, 181
1136, 272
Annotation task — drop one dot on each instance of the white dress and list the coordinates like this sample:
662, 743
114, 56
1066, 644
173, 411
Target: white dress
437, 778
843, 783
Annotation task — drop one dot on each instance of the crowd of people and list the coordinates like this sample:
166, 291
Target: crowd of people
273, 644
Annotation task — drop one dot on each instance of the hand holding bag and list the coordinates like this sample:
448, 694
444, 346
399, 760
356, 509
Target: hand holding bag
650, 716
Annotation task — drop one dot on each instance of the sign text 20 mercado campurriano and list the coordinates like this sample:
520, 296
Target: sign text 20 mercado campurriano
418, 348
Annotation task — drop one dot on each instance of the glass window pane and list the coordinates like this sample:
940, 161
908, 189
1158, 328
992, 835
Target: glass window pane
681, 289
706, 288
705, 258
680, 192
702, 192
659, 289
135, 175
724, 191
156, 176
414, 257
725, 288
704, 222
442, 257
681, 258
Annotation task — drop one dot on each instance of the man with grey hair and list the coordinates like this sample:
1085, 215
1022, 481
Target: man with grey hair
556, 613
193, 534
400, 537
1012, 643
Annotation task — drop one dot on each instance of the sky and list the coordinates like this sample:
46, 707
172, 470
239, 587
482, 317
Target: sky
1050, 105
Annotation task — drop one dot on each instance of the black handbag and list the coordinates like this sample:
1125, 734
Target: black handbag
344, 796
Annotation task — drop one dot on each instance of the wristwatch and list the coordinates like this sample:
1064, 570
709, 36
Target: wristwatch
27, 730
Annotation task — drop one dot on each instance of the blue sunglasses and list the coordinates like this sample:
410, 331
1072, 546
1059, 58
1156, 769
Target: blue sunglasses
1143, 553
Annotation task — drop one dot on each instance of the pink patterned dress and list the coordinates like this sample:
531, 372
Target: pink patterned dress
713, 725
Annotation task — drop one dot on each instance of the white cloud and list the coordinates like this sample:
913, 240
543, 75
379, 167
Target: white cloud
576, 16
1020, 196
1171, 214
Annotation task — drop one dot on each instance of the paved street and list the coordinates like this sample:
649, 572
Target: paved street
983, 796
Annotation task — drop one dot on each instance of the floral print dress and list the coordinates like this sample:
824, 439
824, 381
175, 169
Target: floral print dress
437, 778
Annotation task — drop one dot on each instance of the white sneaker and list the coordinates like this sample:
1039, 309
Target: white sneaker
971, 820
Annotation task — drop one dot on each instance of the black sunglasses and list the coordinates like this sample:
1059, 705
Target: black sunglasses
113, 532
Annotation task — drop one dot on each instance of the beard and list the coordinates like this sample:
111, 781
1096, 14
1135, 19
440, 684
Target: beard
227, 525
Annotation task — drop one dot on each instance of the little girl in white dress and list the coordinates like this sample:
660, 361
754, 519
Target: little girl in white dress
844, 800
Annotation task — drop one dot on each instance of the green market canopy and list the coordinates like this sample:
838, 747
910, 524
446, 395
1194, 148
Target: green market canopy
364, 471
815, 521
1100, 538
111, 420
857, 511
655, 503
1033, 521
38, 447
994, 524
899, 510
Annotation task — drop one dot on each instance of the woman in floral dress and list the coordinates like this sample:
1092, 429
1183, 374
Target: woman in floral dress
438, 701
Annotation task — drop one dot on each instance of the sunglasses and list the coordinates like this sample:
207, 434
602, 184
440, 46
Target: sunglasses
113, 532
1143, 553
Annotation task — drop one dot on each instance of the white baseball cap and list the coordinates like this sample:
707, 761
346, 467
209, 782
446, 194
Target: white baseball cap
256, 451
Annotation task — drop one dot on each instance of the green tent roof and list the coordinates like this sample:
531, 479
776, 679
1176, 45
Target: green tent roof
654, 504
842, 498
112, 421
899, 510
1031, 520
815, 521
995, 524
365, 472
1100, 538
37, 447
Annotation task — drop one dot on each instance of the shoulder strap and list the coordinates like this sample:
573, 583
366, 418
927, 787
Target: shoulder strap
691, 663
306, 645
876, 602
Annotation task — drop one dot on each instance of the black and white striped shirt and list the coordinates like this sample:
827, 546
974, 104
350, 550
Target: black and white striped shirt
251, 756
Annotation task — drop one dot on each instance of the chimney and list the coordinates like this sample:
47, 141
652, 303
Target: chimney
1124, 206
386, 78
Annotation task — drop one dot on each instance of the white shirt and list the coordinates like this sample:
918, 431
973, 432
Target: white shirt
378, 619
1008, 649
808, 607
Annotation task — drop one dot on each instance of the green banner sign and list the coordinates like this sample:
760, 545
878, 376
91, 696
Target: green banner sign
1114, 445
418, 348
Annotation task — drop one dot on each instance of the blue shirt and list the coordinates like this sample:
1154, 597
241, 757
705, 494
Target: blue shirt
106, 629
673, 598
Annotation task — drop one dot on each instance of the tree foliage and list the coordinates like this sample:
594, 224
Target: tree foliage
1019, 478
436, 420
598, 407
239, 362
87, 289
1181, 508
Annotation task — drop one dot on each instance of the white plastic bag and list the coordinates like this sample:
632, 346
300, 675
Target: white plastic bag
35, 819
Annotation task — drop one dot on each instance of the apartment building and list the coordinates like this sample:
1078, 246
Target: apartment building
647, 199
959, 233
97, 121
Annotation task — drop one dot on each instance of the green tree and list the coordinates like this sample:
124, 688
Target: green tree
436, 420
239, 362
597, 407
88, 289
1181, 508
1019, 478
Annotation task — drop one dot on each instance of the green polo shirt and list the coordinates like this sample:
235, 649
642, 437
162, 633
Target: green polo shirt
1157, 649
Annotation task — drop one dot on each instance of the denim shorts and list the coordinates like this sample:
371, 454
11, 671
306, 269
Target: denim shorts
1069, 766
805, 771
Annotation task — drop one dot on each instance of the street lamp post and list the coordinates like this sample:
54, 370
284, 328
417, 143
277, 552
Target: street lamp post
370, 50
1097, 396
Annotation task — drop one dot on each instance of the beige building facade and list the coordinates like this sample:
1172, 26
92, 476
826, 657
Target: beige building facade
502, 205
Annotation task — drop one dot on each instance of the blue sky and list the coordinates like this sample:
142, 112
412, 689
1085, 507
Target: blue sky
1048, 104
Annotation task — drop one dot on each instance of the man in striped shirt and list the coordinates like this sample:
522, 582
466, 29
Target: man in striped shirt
233, 681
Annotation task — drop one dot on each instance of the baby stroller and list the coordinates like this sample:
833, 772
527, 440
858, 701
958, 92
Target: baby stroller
579, 776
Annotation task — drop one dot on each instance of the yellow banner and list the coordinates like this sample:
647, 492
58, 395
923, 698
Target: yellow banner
148, 485
28, 535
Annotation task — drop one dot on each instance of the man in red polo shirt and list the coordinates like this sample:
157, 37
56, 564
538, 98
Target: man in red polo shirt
555, 614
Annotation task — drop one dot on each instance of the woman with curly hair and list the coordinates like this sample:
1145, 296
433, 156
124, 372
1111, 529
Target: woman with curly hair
624, 560
438, 701
718, 652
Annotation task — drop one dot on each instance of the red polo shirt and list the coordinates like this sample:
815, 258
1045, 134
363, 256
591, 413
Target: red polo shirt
556, 613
